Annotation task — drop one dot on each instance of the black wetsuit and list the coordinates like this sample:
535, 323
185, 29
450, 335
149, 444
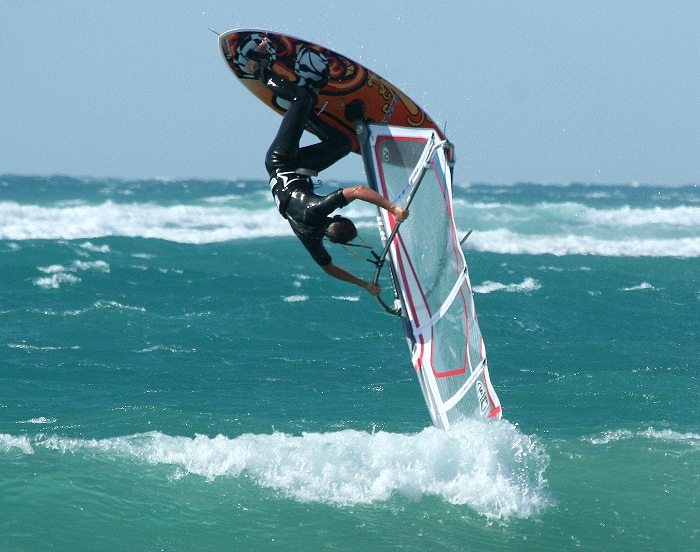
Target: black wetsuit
306, 211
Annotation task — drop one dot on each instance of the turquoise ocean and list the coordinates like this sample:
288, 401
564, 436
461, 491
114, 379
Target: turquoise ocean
177, 374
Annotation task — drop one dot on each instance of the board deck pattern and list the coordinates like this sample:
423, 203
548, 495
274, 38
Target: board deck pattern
384, 103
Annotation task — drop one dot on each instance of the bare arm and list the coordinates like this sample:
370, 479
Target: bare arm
345, 276
370, 196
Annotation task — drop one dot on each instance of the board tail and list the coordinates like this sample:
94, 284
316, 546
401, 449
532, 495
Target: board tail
433, 293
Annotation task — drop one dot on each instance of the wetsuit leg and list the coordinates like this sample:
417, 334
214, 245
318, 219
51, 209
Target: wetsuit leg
284, 153
334, 146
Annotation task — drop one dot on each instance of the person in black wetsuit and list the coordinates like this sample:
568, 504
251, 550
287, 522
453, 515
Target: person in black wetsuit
289, 167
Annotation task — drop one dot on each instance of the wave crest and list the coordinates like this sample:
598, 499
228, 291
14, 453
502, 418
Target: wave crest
488, 466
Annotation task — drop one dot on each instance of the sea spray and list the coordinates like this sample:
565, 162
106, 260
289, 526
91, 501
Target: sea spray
488, 466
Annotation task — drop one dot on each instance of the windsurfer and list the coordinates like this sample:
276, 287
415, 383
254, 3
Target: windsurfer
290, 167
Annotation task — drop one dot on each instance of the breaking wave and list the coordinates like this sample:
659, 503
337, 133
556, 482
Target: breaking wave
565, 228
488, 466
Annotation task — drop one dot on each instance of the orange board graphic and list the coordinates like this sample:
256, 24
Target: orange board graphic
348, 80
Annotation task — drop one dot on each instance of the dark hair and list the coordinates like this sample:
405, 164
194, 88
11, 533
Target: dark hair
341, 230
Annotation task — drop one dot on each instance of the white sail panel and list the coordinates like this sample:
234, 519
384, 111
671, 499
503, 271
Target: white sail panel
431, 275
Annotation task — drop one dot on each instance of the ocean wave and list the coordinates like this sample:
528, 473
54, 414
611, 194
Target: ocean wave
581, 214
12, 443
223, 199
40, 420
100, 266
488, 466
55, 280
61, 274
557, 229
527, 285
179, 223
692, 439
117, 305
506, 241
89, 246
28, 347
166, 348
183, 223
295, 298
639, 287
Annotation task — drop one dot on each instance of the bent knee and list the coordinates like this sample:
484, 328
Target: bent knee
343, 142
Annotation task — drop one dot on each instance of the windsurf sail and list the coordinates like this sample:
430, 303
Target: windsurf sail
432, 290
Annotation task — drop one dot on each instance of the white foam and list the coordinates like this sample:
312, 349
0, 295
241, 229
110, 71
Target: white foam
639, 287
178, 223
55, 281
488, 466
51, 269
28, 347
61, 274
613, 436
223, 198
100, 266
89, 246
552, 228
116, 305
295, 298
51, 312
166, 348
506, 241
527, 285
10, 443
40, 420
629, 216
561, 269
624, 216
214, 222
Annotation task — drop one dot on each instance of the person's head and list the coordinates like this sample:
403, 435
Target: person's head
341, 230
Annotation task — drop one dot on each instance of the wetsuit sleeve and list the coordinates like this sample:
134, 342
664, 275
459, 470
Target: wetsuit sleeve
335, 200
322, 206
317, 250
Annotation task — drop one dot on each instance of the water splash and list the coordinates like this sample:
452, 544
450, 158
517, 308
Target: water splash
490, 467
